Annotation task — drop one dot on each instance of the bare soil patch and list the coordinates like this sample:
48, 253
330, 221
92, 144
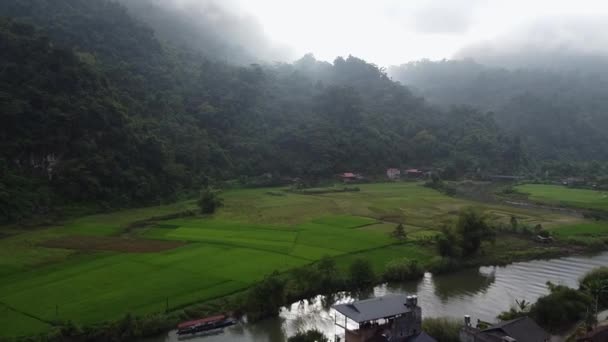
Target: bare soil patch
115, 244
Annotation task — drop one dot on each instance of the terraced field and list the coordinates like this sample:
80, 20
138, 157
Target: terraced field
101, 267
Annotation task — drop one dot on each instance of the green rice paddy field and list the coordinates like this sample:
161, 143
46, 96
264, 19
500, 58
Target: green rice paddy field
253, 235
584, 232
561, 195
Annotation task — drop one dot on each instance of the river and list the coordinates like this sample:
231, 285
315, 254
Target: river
482, 293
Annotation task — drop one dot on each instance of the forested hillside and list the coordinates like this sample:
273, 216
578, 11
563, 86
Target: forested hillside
560, 113
99, 110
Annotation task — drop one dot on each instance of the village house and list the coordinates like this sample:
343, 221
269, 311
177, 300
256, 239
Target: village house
389, 318
574, 181
350, 177
522, 329
414, 173
393, 173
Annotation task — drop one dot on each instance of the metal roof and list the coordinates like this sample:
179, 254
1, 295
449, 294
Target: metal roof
523, 329
374, 308
422, 337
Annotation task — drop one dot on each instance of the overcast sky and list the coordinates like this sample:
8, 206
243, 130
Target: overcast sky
389, 32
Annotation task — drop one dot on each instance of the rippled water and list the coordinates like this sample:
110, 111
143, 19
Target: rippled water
482, 293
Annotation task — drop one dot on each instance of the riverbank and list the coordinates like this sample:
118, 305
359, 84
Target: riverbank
159, 325
482, 293
222, 256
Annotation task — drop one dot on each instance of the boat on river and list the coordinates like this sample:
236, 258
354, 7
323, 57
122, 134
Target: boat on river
205, 326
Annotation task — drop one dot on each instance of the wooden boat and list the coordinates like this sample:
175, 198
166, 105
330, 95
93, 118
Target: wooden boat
212, 324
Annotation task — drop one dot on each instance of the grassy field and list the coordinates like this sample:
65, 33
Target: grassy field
253, 235
561, 195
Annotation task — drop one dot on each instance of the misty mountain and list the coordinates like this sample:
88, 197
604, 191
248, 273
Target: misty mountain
208, 27
562, 43
560, 113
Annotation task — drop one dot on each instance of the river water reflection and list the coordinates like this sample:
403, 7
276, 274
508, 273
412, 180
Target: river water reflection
482, 293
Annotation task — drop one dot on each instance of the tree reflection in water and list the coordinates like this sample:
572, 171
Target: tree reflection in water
466, 282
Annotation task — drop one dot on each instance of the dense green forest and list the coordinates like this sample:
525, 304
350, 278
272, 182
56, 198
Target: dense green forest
99, 109
560, 113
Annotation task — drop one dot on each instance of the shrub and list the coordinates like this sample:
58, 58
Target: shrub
561, 308
328, 273
443, 264
594, 215
312, 335
514, 223
265, 298
508, 190
442, 329
447, 244
275, 193
209, 201
399, 232
595, 283
466, 236
361, 274
402, 269
437, 184
304, 281
513, 313
472, 230
522, 308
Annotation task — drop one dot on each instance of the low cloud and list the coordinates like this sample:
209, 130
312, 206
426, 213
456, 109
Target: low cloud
435, 16
219, 28
545, 41
442, 19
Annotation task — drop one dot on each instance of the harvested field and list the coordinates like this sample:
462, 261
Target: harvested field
114, 244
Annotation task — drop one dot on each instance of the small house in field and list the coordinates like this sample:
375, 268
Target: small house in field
522, 329
349, 177
389, 318
393, 173
574, 181
414, 173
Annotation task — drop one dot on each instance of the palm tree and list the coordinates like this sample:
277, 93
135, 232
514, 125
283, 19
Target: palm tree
595, 288
522, 305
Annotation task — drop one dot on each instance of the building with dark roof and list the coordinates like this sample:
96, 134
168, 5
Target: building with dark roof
389, 318
599, 334
393, 173
522, 329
